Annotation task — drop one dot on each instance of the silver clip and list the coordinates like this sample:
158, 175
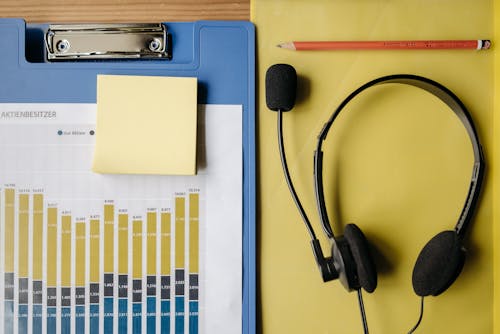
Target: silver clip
107, 41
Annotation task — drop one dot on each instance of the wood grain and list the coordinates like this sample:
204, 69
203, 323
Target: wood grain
66, 11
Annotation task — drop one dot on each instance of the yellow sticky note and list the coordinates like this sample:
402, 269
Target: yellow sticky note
146, 125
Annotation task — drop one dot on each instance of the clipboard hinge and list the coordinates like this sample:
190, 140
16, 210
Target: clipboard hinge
108, 41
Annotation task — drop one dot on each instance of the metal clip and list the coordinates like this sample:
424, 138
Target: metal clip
108, 41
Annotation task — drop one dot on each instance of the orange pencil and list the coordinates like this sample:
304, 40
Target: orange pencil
477, 44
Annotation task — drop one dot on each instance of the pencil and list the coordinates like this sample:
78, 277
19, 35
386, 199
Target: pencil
477, 44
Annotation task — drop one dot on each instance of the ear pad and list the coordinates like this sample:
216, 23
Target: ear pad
360, 250
438, 264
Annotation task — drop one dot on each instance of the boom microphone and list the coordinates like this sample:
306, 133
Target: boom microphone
281, 86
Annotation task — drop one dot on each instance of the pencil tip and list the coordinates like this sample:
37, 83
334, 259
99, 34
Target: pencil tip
279, 45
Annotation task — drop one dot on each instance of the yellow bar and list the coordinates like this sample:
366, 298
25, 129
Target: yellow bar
123, 243
23, 241
65, 251
180, 218
37, 236
9, 230
80, 253
165, 243
109, 246
137, 249
51, 247
151, 265
94, 250
194, 232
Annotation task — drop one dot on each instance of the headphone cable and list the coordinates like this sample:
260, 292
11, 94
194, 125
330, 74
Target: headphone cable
420, 316
288, 178
362, 311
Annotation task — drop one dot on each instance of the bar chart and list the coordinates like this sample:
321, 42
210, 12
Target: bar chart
82, 252
150, 289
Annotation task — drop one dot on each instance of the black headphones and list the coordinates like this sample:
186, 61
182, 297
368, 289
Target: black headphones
441, 260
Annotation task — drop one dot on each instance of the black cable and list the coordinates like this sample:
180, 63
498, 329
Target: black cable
288, 178
362, 311
420, 317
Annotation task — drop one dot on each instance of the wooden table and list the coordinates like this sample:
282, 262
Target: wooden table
55, 11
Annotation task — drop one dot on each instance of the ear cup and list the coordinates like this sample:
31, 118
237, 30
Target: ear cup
438, 264
360, 250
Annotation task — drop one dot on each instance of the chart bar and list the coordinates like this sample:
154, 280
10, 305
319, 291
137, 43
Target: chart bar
80, 276
9, 219
137, 276
66, 273
180, 234
23, 260
151, 220
122, 271
51, 268
165, 277
194, 231
37, 252
94, 274
109, 248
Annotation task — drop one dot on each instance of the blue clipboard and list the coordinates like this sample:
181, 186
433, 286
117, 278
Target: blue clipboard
221, 54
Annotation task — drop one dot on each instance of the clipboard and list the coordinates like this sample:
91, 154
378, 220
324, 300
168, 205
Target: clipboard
220, 54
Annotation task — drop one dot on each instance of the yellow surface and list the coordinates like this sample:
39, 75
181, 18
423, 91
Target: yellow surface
137, 249
146, 125
51, 247
94, 250
397, 163
65, 251
80, 253
37, 237
109, 242
165, 242
496, 234
24, 203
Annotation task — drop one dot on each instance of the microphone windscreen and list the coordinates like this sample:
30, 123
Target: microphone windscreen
281, 87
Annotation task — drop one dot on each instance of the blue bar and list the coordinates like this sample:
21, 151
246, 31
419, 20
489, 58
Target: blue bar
193, 317
179, 315
151, 315
165, 316
8, 324
94, 318
79, 319
51, 319
65, 320
122, 316
22, 319
108, 315
37, 319
137, 318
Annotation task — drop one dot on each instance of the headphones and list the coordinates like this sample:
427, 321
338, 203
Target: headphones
442, 258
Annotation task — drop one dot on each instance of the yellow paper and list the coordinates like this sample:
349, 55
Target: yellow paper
496, 153
146, 125
397, 163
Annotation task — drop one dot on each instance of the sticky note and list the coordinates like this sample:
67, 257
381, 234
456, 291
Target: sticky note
146, 125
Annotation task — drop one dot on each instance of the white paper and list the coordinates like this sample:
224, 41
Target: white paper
47, 149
